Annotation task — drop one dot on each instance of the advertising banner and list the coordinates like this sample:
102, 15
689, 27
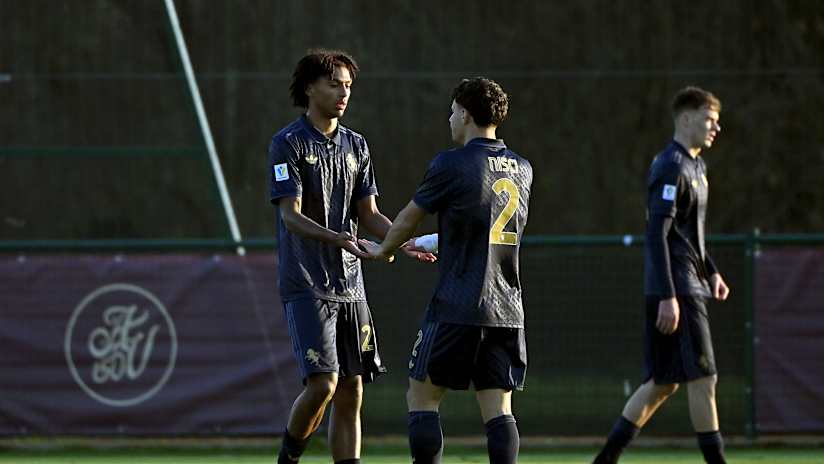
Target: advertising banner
143, 345
789, 341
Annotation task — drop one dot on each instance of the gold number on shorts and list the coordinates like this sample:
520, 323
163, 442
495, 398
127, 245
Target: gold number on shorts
497, 236
365, 346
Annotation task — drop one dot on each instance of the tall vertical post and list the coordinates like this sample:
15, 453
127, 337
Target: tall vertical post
183, 51
751, 252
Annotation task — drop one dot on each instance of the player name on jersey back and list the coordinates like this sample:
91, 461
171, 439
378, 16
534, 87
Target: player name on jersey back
502, 164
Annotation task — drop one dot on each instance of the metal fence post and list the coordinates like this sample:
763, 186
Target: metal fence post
751, 252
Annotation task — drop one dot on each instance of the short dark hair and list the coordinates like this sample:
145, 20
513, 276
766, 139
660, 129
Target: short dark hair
485, 100
693, 98
316, 64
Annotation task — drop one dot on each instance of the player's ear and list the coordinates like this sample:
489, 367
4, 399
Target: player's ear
466, 118
312, 88
682, 119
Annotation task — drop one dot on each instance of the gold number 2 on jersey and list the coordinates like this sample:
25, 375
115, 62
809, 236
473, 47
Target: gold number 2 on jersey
497, 236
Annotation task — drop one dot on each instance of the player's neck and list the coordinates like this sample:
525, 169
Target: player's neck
693, 151
475, 132
324, 125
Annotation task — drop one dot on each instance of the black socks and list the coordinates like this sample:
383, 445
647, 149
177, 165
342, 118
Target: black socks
425, 437
712, 446
292, 449
502, 440
623, 432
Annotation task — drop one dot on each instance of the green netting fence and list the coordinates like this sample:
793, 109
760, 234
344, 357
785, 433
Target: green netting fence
584, 308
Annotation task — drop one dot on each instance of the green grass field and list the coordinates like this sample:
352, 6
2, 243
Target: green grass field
395, 455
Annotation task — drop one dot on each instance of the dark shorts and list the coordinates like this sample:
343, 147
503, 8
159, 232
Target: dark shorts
684, 355
329, 336
454, 355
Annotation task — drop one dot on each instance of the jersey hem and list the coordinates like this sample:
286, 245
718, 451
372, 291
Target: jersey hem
316, 296
478, 324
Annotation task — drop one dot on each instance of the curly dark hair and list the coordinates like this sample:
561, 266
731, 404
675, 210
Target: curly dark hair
316, 64
693, 98
485, 100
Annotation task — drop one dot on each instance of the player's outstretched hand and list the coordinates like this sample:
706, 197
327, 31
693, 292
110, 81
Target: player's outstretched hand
720, 291
349, 243
373, 251
419, 253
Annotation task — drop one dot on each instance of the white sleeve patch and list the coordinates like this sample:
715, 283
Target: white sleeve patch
281, 172
669, 192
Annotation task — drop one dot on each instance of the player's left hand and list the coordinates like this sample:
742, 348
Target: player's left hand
720, 291
375, 251
415, 252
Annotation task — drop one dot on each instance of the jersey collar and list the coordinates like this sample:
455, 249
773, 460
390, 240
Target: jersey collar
678, 147
316, 135
492, 143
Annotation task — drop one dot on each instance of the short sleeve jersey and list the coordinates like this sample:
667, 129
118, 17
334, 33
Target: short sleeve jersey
481, 195
677, 187
329, 175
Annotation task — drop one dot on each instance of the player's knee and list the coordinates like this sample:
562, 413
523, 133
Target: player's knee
349, 394
704, 386
423, 396
411, 398
417, 401
665, 391
322, 387
353, 387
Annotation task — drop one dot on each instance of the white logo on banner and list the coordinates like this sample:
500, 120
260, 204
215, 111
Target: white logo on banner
120, 332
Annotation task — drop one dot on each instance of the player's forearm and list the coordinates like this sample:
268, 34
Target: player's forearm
376, 224
657, 231
305, 227
401, 231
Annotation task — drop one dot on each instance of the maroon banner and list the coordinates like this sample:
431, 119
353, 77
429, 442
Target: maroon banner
143, 345
789, 341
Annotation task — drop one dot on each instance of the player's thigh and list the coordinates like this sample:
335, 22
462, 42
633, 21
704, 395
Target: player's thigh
494, 402
445, 354
702, 389
312, 328
423, 395
501, 360
357, 342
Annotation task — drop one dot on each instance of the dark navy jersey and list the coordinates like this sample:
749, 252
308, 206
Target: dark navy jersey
330, 175
677, 188
481, 195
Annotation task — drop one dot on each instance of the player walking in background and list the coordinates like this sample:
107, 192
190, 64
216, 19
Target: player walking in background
679, 278
322, 180
473, 330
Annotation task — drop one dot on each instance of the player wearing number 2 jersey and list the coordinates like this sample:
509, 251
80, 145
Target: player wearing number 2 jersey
322, 181
473, 330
